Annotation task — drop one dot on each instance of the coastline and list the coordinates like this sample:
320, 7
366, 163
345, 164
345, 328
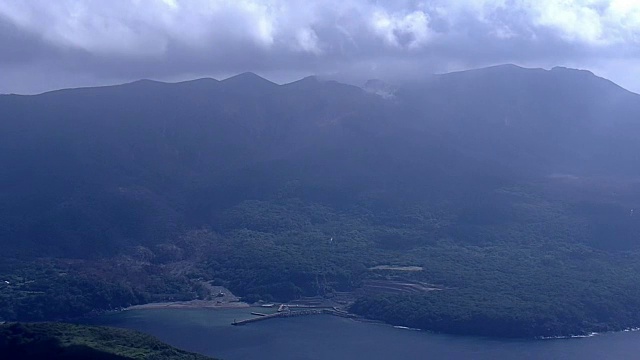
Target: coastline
210, 328
190, 304
213, 304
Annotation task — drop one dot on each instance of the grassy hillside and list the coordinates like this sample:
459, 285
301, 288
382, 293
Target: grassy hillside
61, 341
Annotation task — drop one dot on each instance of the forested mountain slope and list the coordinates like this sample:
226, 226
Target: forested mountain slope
513, 189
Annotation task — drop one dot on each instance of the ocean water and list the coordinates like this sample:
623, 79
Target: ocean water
209, 332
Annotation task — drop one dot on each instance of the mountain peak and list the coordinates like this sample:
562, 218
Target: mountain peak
562, 69
206, 80
506, 66
141, 82
144, 81
248, 79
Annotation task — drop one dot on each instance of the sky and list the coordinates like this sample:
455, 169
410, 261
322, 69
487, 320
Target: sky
46, 45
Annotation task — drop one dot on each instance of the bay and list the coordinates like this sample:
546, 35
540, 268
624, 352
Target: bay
209, 332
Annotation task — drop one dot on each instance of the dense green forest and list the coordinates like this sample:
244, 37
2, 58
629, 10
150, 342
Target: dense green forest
510, 191
51, 289
548, 282
61, 341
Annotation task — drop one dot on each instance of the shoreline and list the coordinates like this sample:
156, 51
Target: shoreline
588, 335
212, 304
190, 304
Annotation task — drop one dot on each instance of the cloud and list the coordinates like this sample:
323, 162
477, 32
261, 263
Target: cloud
96, 41
409, 31
599, 23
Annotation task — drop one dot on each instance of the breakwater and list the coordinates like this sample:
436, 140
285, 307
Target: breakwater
306, 312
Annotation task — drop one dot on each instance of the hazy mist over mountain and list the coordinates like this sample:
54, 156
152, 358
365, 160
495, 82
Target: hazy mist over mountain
426, 164
165, 156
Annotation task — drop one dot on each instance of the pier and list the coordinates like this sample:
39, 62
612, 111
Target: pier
259, 314
284, 314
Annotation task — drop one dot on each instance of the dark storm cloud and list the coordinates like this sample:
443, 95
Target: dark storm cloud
49, 44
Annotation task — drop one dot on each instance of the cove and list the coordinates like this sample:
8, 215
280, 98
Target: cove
209, 332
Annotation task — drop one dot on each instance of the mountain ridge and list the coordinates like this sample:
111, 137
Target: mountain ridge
251, 76
242, 182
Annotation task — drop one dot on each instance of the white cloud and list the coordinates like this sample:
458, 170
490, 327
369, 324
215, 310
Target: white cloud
576, 20
409, 30
167, 38
597, 22
308, 41
144, 27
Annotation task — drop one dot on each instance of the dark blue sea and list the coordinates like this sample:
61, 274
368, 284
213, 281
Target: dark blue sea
209, 332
